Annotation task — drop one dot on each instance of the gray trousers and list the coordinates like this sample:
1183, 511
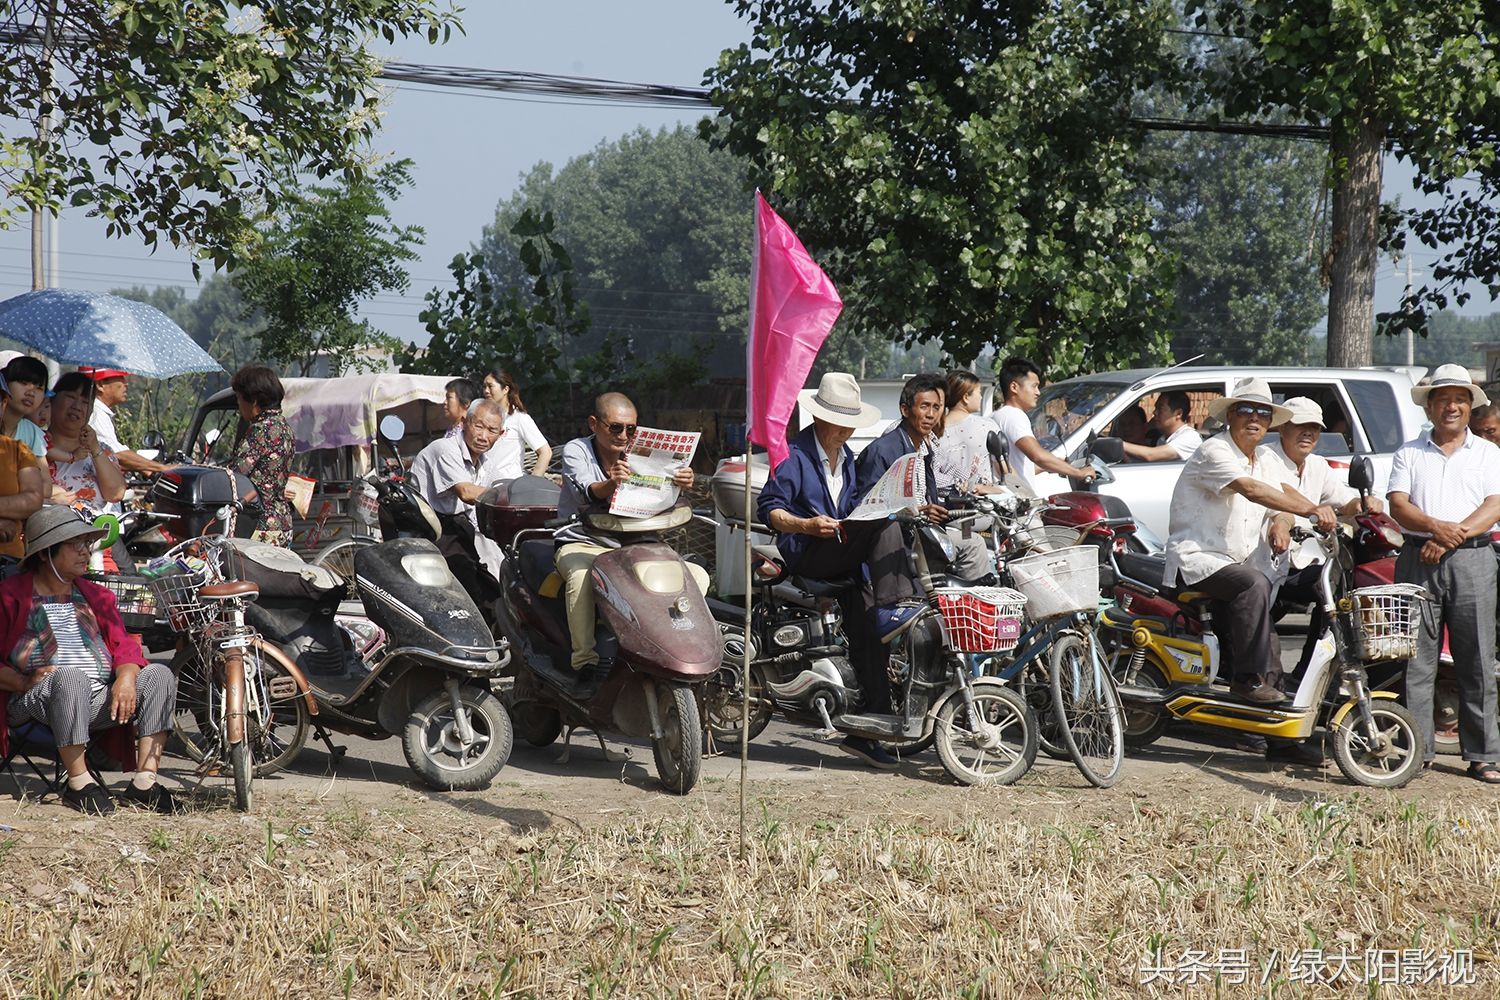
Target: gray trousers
1462, 586
65, 702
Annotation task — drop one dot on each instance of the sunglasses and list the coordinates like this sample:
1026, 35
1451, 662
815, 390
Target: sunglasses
1246, 410
614, 427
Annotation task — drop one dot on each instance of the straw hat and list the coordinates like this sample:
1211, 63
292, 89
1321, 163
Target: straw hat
55, 524
836, 401
1446, 375
1248, 390
1303, 411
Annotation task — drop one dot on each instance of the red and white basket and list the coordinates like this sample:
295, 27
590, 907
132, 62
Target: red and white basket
980, 619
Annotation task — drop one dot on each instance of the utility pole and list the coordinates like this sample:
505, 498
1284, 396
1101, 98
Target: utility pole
1411, 338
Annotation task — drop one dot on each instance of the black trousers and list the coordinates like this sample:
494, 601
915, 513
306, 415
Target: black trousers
880, 545
1242, 620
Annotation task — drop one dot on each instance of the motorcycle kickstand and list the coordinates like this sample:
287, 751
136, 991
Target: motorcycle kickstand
828, 731
335, 753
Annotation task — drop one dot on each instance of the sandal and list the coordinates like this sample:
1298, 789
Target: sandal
1486, 771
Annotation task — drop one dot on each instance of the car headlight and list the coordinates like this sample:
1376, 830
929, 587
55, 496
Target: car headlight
427, 569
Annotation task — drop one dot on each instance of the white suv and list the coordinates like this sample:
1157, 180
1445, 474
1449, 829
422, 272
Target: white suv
1368, 412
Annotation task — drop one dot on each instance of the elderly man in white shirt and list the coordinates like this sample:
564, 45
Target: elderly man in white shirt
1220, 507
1445, 491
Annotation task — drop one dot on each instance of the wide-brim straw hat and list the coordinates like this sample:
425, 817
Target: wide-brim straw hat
1303, 411
1249, 390
1447, 375
55, 524
836, 401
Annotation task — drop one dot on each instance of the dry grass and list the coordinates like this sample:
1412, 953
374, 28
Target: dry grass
346, 900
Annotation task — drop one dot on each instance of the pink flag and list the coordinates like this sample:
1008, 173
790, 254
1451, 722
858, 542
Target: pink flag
793, 305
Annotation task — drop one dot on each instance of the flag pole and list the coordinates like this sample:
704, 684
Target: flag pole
749, 418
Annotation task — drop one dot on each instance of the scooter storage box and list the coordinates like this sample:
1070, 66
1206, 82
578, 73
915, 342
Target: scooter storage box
728, 486
512, 505
194, 493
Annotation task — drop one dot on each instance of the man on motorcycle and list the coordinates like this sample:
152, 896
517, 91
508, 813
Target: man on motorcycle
1178, 440
1219, 510
451, 474
806, 501
1445, 492
1311, 475
592, 468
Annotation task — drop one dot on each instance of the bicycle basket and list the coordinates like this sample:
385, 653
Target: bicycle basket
133, 597
176, 578
980, 619
1382, 621
1060, 582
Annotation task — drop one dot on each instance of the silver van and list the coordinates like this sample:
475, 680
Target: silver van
1368, 411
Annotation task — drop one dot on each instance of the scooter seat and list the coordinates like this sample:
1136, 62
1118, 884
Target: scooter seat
1143, 568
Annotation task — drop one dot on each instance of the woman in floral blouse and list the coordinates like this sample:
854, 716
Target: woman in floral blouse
265, 449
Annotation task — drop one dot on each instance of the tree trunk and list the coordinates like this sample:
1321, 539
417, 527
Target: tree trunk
1356, 153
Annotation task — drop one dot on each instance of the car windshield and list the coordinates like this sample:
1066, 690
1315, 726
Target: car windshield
1066, 406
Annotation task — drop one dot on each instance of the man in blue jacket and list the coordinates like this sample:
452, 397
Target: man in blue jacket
923, 400
806, 501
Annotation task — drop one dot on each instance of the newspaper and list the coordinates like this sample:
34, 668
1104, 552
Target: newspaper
654, 456
903, 487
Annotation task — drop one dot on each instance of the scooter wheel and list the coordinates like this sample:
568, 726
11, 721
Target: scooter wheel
538, 725
1388, 759
999, 753
679, 752
435, 751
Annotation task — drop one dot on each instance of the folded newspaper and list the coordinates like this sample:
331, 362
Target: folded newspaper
903, 487
654, 456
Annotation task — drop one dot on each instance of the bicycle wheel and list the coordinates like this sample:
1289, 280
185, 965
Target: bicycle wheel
1087, 709
339, 557
278, 730
997, 747
239, 763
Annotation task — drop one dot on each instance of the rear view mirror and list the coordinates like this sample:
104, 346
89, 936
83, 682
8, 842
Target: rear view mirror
1361, 476
998, 446
392, 428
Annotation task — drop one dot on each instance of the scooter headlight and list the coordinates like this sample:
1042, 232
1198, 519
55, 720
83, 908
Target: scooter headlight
427, 569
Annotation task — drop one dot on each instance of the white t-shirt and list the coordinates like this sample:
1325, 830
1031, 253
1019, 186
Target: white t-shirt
1184, 440
525, 429
1210, 525
1016, 427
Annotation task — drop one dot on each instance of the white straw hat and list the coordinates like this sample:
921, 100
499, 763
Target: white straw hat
836, 401
1248, 390
1446, 375
1303, 411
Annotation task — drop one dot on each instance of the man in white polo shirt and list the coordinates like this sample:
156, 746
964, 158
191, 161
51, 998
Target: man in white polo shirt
1445, 491
1179, 439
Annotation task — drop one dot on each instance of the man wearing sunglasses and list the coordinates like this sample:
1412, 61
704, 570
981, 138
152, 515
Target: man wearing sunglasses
1232, 492
592, 468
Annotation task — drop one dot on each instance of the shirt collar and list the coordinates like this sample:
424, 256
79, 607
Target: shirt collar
1468, 441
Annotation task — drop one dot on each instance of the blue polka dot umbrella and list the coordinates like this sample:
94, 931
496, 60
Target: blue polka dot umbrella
107, 331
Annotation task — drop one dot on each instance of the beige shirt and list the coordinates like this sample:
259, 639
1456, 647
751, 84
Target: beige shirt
1210, 525
1322, 484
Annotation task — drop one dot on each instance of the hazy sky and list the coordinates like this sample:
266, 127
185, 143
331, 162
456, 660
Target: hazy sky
469, 151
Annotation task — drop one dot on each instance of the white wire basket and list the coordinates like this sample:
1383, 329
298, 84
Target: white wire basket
1382, 621
190, 566
980, 619
1061, 582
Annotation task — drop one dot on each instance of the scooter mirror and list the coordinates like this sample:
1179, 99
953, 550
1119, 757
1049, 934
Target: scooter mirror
153, 440
998, 446
1361, 476
1109, 449
392, 428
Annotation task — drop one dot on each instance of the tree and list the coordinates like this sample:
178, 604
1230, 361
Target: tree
1449, 339
1418, 80
1235, 211
659, 227
184, 121
480, 325
964, 171
328, 249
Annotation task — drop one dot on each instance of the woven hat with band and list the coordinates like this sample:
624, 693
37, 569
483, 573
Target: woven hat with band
55, 524
836, 401
1251, 391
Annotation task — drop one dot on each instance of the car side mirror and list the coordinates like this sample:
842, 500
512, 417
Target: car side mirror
1361, 475
1109, 449
998, 445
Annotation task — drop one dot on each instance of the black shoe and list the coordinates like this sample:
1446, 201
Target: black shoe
1302, 754
155, 798
1257, 694
870, 752
1250, 743
90, 799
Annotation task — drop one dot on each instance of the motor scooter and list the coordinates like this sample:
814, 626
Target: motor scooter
418, 663
656, 640
1169, 668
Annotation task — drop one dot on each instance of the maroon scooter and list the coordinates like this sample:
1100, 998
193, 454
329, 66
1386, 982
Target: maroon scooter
656, 638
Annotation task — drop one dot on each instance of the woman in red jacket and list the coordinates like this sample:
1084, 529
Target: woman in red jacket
67, 661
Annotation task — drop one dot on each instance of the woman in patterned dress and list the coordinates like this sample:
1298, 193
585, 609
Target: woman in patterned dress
84, 474
265, 449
